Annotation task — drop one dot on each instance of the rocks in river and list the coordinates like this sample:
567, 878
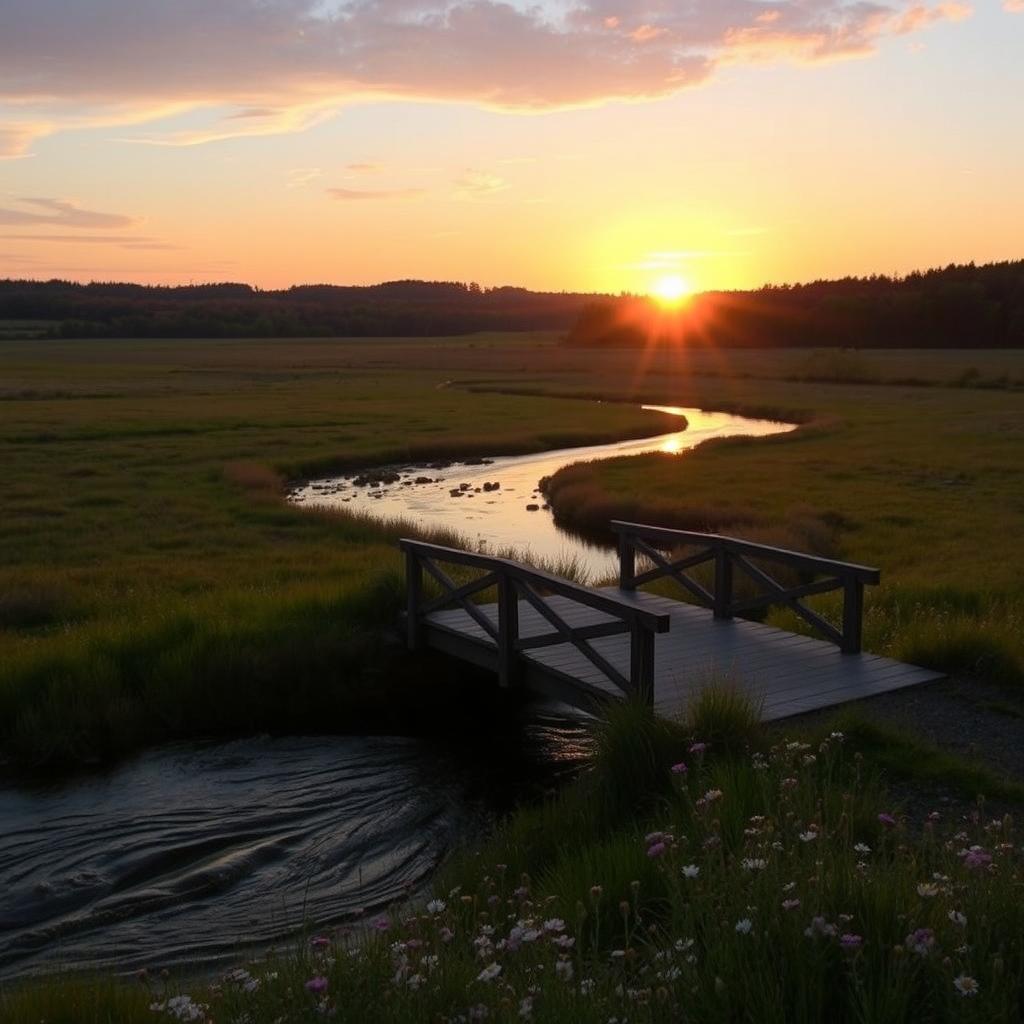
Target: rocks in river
455, 492
464, 487
438, 465
532, 508
492, 486
423, 480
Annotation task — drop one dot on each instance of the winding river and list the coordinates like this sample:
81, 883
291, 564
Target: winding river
497, 520
183, 856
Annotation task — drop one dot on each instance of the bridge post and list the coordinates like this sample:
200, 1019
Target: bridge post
853, 615
508, 631
641, 662
723, 583
413, 594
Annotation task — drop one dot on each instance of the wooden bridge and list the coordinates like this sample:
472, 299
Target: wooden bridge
586, 645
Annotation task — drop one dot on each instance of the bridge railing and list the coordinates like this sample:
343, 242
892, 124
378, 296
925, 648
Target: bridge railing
727, 554
516, 582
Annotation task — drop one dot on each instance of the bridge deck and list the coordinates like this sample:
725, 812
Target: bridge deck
784, 673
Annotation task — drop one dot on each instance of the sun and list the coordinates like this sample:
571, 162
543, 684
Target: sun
671, 290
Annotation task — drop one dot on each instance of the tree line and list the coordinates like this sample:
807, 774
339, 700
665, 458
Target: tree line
396, 308
958, 306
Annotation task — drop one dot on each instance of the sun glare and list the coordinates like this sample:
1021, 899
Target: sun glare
671, 290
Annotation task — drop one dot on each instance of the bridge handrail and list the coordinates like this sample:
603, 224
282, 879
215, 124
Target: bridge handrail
514, 581
728, 553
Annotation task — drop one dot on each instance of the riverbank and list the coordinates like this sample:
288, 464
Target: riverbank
708, 869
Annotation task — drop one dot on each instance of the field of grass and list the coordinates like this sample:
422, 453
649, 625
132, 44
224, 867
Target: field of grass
705, 872
153, 584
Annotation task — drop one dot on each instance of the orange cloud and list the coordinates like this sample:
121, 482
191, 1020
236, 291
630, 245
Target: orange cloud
63, 213
358, 195
284, 65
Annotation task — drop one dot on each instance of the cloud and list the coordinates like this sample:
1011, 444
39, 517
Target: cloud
140, 242
1013, 6
16, 139
300, 176
269, 66
357, 195
364, 168
474, 184
62, 213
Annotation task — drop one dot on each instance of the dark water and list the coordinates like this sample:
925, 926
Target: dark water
188, 853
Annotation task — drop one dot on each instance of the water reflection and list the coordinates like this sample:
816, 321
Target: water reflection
513, 515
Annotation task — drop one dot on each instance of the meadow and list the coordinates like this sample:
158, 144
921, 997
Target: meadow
153, 584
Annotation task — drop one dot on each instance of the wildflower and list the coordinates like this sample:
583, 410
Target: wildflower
319, 941
712, 795
789, 887
554, 924
479, 1012
656, 850
382, 924
526, 1008
960, 920
887, 820
317, 984
754, 863
850, 941
564, 969
921, 941
927, 890
564, 941
789, 783
744, 925
809, 759
819, 926
698, 748
415, 981
790, 904
181, 1008
966, 985
489, 973
679, 769
657, 837
446, 934
436, 907
691, 871
809, 836
587, 986
977, 858
861, 848
837, 736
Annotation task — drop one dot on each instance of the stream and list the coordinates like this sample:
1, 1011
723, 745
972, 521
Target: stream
189, 854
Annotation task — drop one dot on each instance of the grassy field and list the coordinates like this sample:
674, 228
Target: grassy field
153, 584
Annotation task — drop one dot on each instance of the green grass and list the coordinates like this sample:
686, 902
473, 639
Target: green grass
141, 506
774, 881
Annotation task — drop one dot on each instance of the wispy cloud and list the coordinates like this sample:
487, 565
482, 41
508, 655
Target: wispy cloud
364, 168
475, 184
1013, 6
358, 195
301, 176
63, 213
284, 65
140, 242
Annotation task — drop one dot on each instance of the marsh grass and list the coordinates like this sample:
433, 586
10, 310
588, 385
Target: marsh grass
777, 883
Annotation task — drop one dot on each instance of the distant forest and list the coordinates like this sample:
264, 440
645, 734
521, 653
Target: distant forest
64, 309
964, 306
956, 307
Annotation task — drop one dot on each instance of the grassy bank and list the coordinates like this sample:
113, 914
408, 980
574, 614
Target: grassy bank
705, 872
152, 582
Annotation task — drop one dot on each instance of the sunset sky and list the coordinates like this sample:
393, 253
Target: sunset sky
565, 144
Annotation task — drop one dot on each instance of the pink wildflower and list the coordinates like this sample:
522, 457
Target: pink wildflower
976, 857
317, 985
679, 769
850, 941
698, 748
319, 941
887, 820
657, 850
